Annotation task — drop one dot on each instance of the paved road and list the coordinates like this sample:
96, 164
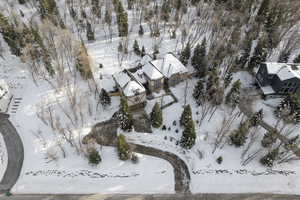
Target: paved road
15, 153
156, 197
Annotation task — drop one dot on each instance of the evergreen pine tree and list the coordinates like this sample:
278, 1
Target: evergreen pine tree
123, 147
165, 10
256, 118
141, 31
233, 96
125, 117
156, 116
297, 59
122, 18
107, 17
199, 61
239, 136
136, 48
189, 135
94, 157
186, 115
89, 32
269, 159
10, 35
104, 98
21, 1
269, 139
198, 92
185, 54
143, 53
259, 55
284, 57
289, 109
263, 11
228, 78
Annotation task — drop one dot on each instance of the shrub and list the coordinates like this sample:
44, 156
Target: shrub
134, 158
124, 151
269, 159
94, 157
219, 160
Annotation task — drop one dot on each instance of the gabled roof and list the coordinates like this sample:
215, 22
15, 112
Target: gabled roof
169, 65
284, 71
130, 87
145, 59
152, 72
133, 88
122, 78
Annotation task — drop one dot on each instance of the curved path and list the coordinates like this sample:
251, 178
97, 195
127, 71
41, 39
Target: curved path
181, 171
15, 153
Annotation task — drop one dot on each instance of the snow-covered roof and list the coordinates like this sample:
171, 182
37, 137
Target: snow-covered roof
122, 78
169, 65
273, 67
146, 59
133, 88
267, 90
152, 72
139, 75
283, 70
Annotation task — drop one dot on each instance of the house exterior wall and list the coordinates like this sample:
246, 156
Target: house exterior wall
137, 99
263, 77
177, 78
287, 86
154, 85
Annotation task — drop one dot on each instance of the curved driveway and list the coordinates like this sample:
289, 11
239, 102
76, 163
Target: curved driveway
15, 153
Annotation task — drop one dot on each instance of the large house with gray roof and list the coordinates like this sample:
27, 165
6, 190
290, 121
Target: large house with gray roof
152, 75
276, 79
167, 71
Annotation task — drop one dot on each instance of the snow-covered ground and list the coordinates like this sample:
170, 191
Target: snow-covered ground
3, 157
74, 175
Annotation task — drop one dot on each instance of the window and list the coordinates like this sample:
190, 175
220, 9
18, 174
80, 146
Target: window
157, 84
289, 84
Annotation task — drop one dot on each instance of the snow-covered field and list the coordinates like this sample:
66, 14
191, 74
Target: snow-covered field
74, 175
3, 157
